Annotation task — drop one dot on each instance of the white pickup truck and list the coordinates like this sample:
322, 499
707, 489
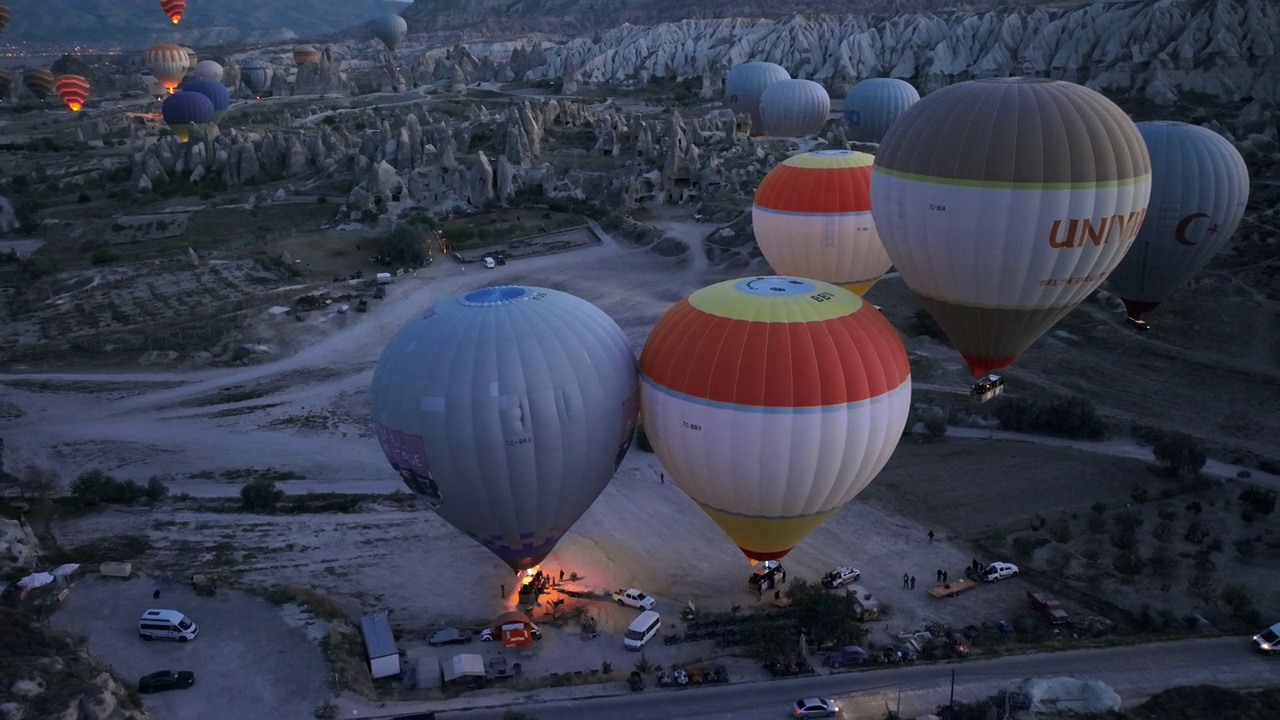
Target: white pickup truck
634, 598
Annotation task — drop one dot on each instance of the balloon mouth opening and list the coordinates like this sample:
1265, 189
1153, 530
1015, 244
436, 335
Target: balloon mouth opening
175, 18
75, 106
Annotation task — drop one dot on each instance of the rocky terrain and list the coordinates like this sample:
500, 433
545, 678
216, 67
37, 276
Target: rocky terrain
82, 23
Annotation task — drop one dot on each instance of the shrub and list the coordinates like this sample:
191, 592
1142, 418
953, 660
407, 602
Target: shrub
105, 256
1097, 524
405, 245
1140, 495
1260, 500
260, 494
1072, 417
1179, 454
1246, 548
1194, 507
1162, 561
1128, 520
1214, 545
1099, 508
1267, 466
1124, 539
1128, 563
935, 425
83, 198
1248, 515
1163, 532
606, 667
92, 487
1167, 514
1060, 531
1058, 561
156, 489
1024, 546
1196, 533
1238, 599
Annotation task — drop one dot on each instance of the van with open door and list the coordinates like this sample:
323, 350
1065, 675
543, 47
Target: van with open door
166, 625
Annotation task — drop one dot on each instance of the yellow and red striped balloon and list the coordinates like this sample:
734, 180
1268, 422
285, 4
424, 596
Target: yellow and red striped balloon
73, 89
772, 402
174, 9
812, 218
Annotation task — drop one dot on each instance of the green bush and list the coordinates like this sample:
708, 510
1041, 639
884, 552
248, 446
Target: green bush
1179, 454
1260, 500
95, 487
406, 245
156, 489
105, 256
1070, 417
260, 494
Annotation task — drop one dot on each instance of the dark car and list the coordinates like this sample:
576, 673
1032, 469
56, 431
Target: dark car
166, 680
379, 292
847, 655
449, 636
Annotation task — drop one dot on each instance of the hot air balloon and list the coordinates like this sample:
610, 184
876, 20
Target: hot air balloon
1199, 190
1004, 202
168, 63
207, 70
173, 8
192, 60
73, 89
256, 76
306, 55
390, 29
215, 91
508, 409
40, 82
874, 104
794, 108
182, 110
744, 85
812, 218
6, 81
772, 402
4, 16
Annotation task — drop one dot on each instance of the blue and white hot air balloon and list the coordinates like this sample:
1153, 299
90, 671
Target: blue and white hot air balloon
744, 86
794, 108
874, 104
509, 409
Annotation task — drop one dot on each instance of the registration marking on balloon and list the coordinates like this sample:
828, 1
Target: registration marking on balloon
772, 401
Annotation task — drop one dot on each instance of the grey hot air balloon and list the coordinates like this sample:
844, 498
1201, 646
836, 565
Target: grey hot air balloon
874, 104
745, 84
1199, 189
390, 29
256, 76
207, 70
794, 108
508, 409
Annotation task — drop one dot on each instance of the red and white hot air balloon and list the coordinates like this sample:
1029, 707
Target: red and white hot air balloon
73, 89
174, 9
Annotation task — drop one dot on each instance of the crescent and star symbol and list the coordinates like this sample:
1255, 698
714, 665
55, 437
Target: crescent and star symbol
1180, 233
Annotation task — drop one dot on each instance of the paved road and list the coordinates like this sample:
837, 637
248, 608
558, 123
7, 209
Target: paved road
1133, 671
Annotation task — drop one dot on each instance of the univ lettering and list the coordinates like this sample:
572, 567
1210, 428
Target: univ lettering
1075, 232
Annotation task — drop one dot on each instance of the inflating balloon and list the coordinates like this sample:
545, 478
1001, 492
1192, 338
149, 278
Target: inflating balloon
508, 409
772, 402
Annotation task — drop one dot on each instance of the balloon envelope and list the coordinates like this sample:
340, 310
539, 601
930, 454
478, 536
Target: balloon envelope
744, 85
1004, 203
812, 218
40, 82
207, 70
4, 16
174, 9
183, 109
391, 30
874, 104
508, 409
73, 89
772, 402
1199, 190
6, 81
305, 55
168, 63
794, 108
217, 93
255, 75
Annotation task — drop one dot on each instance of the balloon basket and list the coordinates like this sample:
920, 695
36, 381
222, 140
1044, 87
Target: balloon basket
1140, 326
986, 389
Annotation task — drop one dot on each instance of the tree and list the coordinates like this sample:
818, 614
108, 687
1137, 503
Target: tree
93, 487
405, 245
824, 615
37, 483
935, 424
1179, 454
260, 494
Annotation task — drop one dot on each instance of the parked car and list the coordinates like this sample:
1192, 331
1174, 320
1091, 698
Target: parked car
634, 598
847, 655
840, 577
379, 292
815, 707
166, 680
449, 636
1268, 641
489, 635
999, 571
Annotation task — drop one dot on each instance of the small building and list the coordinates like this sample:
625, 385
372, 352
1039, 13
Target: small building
865, 606
462, 670
380, 644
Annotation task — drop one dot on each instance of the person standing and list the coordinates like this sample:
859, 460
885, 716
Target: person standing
906, 580
930, 536
913, 582
944, 576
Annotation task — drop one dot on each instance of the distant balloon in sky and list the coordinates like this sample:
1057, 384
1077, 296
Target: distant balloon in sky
182, 110
39, 81
306, 55
207, 70
794, 108
874, 104
168, 63
256, 76
1199, 190
391, 30
744, 85
772, 402
812, 218
73, 89
215, 91
4, 16
6, 82
508, 409
174, 9
1005, 202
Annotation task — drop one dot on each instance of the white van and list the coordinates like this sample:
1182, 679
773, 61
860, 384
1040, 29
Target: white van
490, 263
642, 630
166, 625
